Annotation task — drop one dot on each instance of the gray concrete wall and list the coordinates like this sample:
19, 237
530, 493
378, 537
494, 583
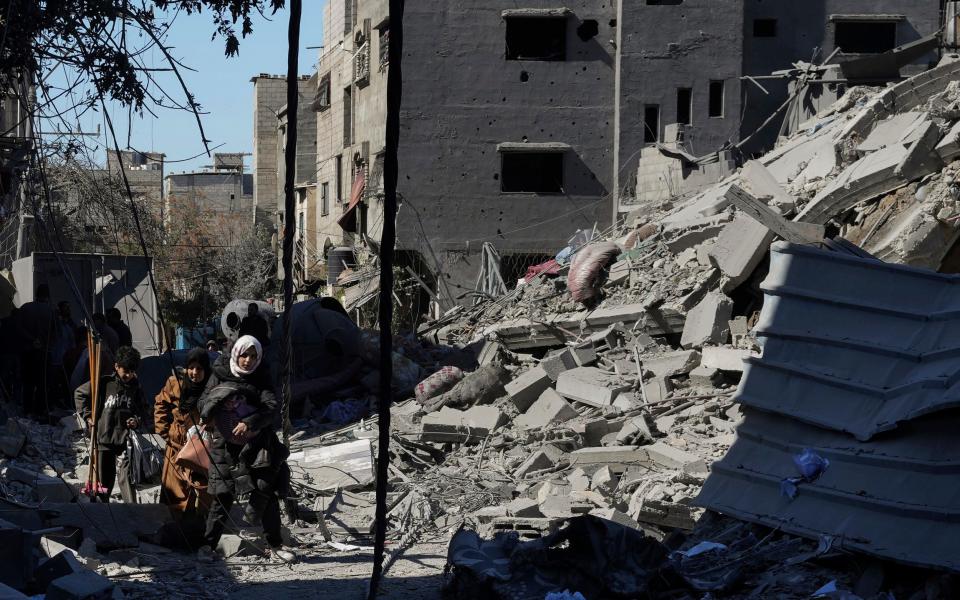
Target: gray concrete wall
803, 27
667, 47
269, 96
462, 98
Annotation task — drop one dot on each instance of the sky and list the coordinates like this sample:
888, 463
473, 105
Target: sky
221, 85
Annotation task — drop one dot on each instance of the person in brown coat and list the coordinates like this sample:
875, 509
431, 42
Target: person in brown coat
175, 412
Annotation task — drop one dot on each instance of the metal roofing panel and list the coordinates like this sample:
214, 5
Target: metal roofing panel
852, 346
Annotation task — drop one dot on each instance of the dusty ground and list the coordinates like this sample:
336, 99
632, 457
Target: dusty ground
323, 573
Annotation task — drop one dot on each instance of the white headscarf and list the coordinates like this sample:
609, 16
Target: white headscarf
239, 348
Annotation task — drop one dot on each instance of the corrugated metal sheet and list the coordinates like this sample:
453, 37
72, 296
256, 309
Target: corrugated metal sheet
861, 365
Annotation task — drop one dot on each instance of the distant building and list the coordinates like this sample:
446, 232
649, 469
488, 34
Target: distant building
223, 193
269, 101
144, 171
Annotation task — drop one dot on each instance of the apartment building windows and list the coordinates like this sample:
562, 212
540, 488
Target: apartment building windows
384, 45
324, 199
323, 94
651, 123
539, 37
715, 106
864, 36
536, 171
684, 105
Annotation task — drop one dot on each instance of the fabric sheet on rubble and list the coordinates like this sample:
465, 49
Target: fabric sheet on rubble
592, 556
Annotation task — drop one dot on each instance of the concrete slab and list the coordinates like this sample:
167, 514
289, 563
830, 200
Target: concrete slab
739, 249
112, 526
616, 457
549, 408
670, 457
351, 462
466, 427
708, 322
544, 458
525, 389
589, 385
558, 362
85, 585
724, 358
672, 363
526, 508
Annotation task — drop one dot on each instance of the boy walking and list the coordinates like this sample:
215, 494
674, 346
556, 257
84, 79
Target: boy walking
120, 408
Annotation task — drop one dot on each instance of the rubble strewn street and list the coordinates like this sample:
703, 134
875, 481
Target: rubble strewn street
483, 331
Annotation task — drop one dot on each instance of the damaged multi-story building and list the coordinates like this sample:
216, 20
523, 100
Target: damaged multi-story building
522, 123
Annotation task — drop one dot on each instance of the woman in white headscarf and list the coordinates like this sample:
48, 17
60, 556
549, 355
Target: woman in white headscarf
246, 457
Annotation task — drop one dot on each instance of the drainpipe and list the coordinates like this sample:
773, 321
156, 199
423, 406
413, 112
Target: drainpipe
616, 113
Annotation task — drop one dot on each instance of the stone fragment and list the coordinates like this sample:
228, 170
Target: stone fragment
550, 408
85, 585
465, 427
527, 508
592, 430
553, 488
635, 430
739, 249
525, 389
615, 456
604, 481
544, 458
704, 376
672, 363
724, 358
591, 386
612, 514
63, 564
578, 480
708, 322
563, 507
558, 362
234, 545
657, 389
669, 457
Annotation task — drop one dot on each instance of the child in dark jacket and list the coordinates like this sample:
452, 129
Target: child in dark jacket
120, 408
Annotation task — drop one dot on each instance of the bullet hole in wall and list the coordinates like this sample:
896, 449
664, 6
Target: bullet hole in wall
613, 22
588, 30
496, 176
524, 76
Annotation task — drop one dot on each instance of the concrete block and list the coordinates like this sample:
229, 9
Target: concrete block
45, 488
724, 358
468, 426
558, 362
672, 363
615, 456
526, 508
635, 430
739, 333
949, 146
234, 545
704, 376
589, 385
689, 240
61, 565
564, 507
85, 585
612, 514
578, 480
604, 481
584, 355
739, 249
657, 390
553, 488
525, 389
669, 457
488, 513
351, 462
550, 408
708, 322
592, 430
544, 458
11, 443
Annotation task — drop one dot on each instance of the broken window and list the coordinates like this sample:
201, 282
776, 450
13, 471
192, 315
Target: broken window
533, 172
324, 199
347, 115
347, 16
536, 38
338, 177
651, 123
715, 108
384, 47
865, 37
765, 28
323, 94
684, 105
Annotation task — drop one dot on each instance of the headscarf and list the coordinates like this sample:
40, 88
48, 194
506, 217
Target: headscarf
191, 391
239, 348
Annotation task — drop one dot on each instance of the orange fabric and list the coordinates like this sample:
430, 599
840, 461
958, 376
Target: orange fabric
180, 489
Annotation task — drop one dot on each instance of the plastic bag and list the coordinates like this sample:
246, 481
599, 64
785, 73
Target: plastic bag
811, 466
146, 460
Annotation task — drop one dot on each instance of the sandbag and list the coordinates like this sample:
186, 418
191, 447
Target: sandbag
587, 271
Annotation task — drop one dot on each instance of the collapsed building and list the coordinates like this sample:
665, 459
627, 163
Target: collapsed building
744, 390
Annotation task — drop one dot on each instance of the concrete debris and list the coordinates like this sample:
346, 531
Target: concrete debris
708, 322
590, 385
550, 408
341, 466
